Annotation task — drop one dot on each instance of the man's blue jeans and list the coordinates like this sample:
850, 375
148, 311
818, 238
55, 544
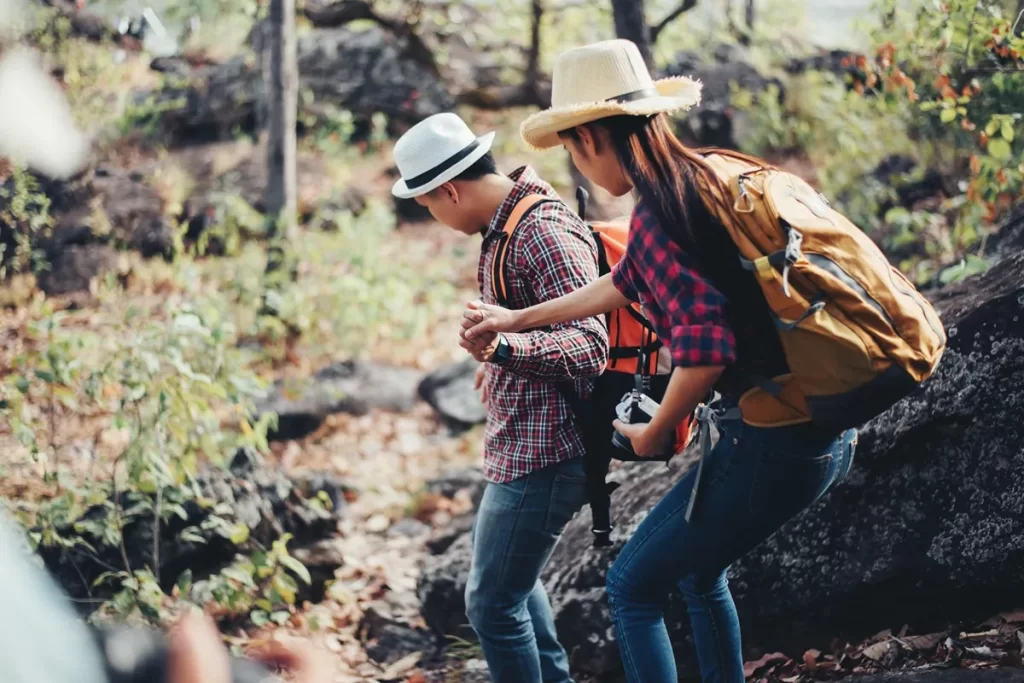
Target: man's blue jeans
516, 529
754, 480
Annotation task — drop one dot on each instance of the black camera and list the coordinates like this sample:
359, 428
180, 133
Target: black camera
139, 655
636, 407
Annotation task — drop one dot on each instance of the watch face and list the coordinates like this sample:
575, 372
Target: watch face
503, 351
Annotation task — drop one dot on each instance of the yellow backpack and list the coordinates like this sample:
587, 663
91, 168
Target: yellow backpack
857, 335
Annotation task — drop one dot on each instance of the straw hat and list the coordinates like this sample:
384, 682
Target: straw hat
434, 151
600, 80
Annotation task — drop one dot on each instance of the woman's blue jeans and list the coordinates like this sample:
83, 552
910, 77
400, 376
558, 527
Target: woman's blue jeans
754, 480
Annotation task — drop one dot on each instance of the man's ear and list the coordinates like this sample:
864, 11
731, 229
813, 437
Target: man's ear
448, 190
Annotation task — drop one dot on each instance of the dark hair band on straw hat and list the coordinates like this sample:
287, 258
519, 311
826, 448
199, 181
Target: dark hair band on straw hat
427, 176
635, 95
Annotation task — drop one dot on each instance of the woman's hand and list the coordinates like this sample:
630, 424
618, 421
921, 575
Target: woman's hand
647, 441
483, 320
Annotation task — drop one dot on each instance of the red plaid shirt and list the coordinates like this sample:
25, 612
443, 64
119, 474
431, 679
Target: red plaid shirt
551, 253
687, 312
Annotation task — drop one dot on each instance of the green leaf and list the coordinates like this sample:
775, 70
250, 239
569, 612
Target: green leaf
259, 617
191, 535
46, 376
22, 385
280, 617
999, 149
929, 105
239, 534
297, 568
106, 576
992, 127
184, 582
947, 115
285, 587
1007, 130
236, 574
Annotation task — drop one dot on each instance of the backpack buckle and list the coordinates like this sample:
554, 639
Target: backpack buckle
792, 255
744, 199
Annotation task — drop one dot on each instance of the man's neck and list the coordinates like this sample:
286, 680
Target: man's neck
493, 191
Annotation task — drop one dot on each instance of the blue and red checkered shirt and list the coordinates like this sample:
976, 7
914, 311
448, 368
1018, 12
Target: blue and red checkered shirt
529, 423
687, 312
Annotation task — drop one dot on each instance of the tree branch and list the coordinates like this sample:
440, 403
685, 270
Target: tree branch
533, 57
686, 6
526, 94
535, 90
335, 14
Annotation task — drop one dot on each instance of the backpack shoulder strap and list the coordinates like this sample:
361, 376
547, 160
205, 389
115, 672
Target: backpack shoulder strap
523, 207
603, 267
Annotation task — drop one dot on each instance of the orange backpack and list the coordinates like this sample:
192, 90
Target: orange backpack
636, 360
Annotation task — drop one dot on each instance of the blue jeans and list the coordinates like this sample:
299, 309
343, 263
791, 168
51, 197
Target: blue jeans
755, 479
516, 529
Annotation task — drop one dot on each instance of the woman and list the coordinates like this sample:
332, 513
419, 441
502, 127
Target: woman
681, 265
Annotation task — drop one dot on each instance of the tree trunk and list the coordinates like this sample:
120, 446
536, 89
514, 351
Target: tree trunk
748, 19
281, 76
631, 23
282, 100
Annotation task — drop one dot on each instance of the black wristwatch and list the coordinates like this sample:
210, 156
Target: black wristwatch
502, 352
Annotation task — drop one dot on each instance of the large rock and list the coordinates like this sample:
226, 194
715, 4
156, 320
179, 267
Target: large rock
441, 590
100, 210
250, 494
362, 71
715, 121
352, 387
449, 390
927, 529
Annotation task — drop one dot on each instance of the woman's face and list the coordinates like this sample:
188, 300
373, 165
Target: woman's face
593, 154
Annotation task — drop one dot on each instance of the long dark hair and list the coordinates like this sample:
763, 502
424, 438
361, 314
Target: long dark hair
677, 184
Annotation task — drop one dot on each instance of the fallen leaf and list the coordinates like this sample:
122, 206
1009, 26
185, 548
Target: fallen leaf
377, 524
417, 677
1013, 617
877, 651
791, 679
925, 642
984, 652
750, 668
811, 659
402, 666
985, 634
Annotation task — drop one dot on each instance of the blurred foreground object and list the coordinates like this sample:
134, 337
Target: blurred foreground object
45, 642
36, 127
48, 643
12, 17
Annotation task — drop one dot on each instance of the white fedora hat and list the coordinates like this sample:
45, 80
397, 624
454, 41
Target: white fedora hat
434, 151
604, 79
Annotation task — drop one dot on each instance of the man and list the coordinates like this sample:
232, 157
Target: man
533, 448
